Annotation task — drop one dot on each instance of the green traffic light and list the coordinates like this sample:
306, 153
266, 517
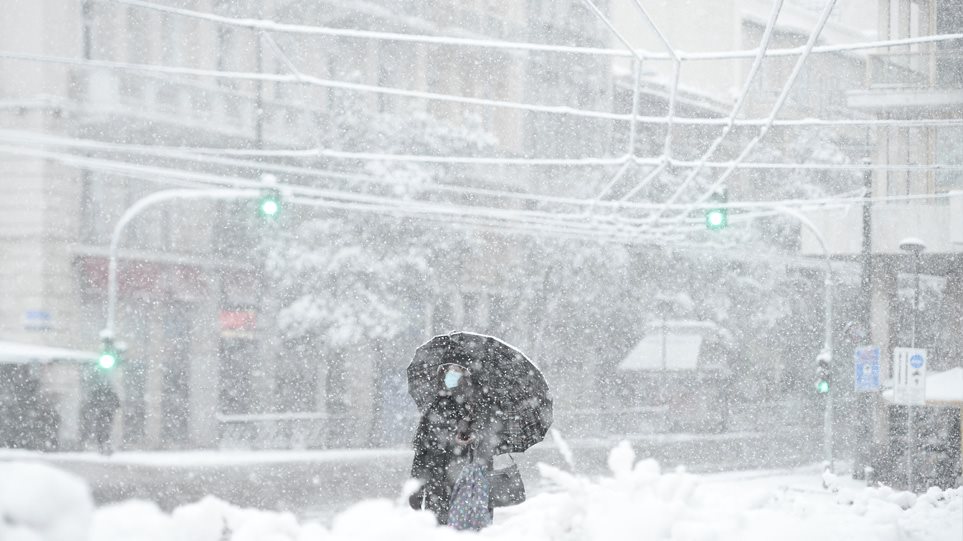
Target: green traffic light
107, 360
717, 216
822, 386
269, 206
716, 219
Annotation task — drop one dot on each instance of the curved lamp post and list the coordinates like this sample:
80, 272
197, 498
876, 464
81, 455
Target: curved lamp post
139, 206
827, 351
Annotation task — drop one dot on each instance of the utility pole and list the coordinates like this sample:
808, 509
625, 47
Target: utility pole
664, 376
86, 229
258, 92
867, 416
266, 298
915, 247
664, 304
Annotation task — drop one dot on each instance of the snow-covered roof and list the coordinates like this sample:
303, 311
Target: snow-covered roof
17, 353
942, 388
801, 21
681, 352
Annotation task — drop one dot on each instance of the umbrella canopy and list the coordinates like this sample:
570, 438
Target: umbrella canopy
508, 380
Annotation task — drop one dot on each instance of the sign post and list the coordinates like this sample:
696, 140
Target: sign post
909, 381
909, 389
866, 369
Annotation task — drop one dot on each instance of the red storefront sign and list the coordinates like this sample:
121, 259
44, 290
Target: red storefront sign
237, 322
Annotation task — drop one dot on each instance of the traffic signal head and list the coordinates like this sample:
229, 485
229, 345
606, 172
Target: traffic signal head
823, 373
717, 217
269, 205
107, 360
109, 357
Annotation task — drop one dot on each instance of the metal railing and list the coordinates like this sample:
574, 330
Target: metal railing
313, 430
929, 67
282, 431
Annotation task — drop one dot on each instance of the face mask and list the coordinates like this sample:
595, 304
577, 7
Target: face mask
452, 378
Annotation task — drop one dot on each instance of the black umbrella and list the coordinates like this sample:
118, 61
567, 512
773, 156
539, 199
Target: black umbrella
514, 387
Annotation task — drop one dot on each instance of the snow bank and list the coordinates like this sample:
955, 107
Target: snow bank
636, 502
41, 503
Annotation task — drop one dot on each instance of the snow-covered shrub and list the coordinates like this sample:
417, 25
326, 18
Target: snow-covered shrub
42, 503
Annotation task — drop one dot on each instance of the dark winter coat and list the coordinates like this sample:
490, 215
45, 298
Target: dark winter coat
438, 458
99, 409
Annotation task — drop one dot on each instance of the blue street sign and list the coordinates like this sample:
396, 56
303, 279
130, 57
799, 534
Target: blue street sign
916, 361
866, 365
37, 320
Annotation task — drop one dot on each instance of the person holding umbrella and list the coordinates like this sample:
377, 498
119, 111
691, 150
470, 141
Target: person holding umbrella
478, 397
450, 433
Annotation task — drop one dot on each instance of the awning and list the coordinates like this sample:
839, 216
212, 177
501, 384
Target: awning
942, 388
17, 353
681, 353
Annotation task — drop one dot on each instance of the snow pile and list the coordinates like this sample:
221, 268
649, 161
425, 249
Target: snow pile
636, 502
40, 503
207, 520
937, 514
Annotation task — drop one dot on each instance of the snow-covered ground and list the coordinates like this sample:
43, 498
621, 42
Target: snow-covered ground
636, 501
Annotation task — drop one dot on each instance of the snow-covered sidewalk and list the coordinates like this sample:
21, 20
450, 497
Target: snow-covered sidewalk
636, 502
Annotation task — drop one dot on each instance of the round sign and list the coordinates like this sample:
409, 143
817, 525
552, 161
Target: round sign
916, 361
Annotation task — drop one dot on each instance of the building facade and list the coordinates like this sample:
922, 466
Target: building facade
920, 88
201, 361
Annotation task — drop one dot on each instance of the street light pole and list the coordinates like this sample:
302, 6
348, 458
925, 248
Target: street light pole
867, 405
664, 378
916, 299
916, 247
139, 206
827, 351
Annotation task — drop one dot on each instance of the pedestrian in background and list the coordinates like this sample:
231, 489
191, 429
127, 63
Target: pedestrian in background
98, 410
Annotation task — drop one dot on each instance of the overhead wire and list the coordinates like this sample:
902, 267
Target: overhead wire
464, 100
595, 226
673, 92
273, 26
736, 108
23, 139
300, 78
34, 139
212, 153
776, 108
562, 220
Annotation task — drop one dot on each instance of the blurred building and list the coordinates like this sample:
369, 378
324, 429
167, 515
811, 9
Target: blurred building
918, 82
738, 25
202, 358
709, 89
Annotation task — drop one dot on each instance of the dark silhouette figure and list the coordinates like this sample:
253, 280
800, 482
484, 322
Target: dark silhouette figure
98, 414
28, 415
453, 431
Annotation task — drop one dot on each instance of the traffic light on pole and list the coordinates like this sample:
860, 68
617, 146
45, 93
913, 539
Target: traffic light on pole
269, 204
109, 356
717, 215
823, 373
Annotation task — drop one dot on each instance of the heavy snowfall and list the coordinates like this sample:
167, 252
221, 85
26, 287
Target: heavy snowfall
427, 269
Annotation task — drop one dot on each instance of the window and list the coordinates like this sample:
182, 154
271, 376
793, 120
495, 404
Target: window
949, 151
